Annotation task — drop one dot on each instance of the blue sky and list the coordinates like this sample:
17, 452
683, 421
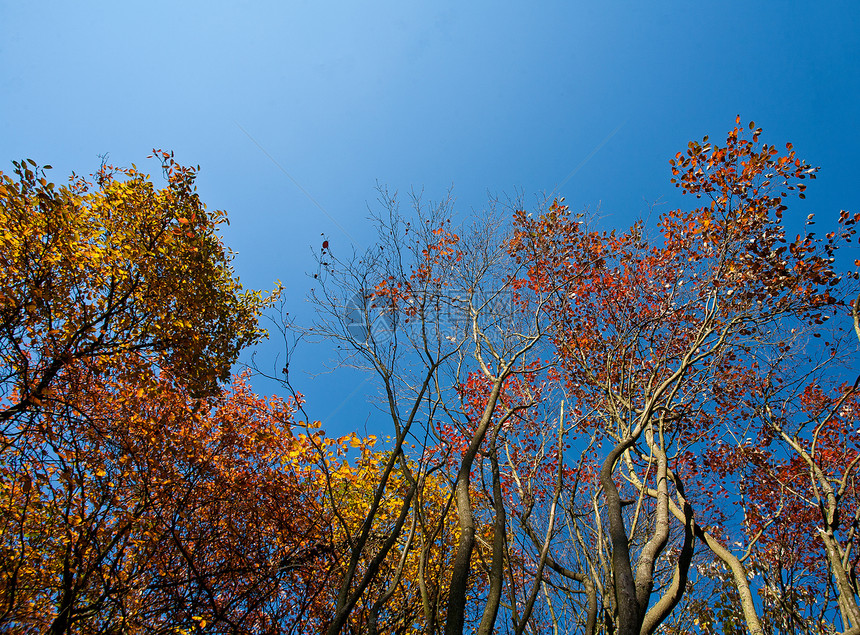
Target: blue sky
487, 97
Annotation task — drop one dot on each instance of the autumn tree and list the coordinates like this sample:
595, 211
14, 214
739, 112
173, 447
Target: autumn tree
798, 468
435, 314
661, 345
663, 341
154, 511
120, 317
115, 266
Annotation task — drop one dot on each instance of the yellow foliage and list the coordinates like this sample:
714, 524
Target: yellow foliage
423, 552
101, 268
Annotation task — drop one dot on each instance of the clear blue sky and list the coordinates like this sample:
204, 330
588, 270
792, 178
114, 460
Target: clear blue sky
487, 96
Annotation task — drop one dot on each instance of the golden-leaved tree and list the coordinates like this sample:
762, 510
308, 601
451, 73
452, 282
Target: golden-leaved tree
137, 494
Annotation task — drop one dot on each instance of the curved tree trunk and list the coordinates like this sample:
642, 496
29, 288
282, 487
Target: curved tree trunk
466, 543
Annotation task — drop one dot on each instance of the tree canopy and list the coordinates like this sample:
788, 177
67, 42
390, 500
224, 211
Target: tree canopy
623, 432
